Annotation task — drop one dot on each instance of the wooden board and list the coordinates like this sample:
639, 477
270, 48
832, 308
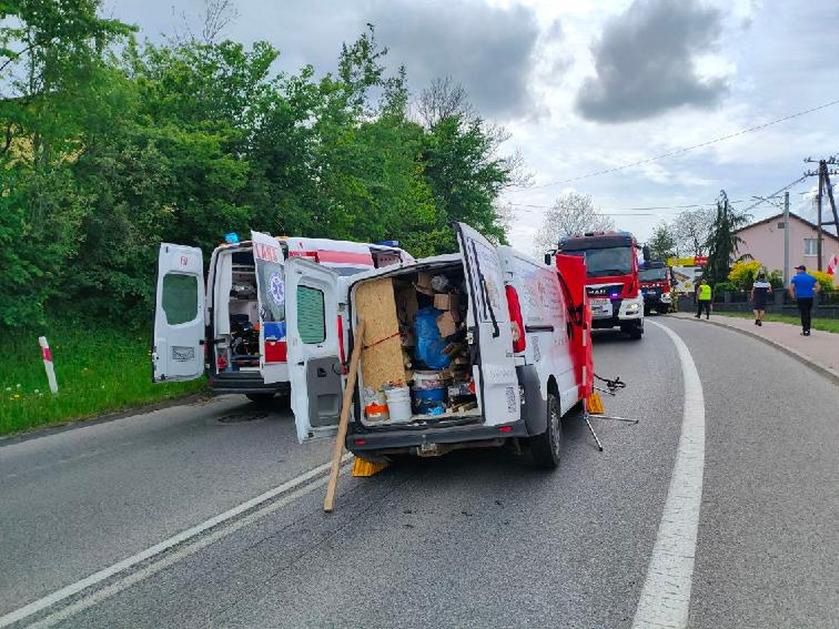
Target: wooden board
381, 358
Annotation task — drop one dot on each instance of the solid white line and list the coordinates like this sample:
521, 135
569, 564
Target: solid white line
665, 597
106, 573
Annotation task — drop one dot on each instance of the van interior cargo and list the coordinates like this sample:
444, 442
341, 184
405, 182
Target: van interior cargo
415, 362
237, 338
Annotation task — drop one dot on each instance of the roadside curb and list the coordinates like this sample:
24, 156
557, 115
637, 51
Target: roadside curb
825, 371
130, 411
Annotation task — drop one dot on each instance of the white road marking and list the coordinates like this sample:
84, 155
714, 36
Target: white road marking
106, 573
665, 598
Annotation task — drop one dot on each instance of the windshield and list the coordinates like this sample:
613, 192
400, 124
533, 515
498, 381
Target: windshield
607, 261
653, 275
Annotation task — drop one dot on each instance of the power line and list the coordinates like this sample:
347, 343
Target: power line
769, 196
685, 149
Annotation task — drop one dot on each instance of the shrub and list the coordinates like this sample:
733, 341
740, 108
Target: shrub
825, 281
721, 287
743, 273
776, 279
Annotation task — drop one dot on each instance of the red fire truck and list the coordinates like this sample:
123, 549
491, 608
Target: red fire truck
612, 281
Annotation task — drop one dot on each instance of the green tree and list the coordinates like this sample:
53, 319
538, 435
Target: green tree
663, 244
723, 241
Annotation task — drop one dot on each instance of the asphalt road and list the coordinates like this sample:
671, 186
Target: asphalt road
471, 539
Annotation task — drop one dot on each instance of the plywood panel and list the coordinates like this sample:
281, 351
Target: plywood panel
381, 358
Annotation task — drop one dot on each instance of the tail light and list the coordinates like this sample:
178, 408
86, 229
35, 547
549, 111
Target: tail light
516, 319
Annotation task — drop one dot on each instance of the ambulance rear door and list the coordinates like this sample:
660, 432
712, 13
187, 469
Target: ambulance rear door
270, 292
179, 326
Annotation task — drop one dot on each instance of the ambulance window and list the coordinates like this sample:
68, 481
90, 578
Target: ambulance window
180, 298
311, 315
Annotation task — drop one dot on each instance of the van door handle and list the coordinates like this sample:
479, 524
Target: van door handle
321, 372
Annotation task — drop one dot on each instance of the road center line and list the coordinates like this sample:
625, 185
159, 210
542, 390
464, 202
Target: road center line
161, 547
665, 597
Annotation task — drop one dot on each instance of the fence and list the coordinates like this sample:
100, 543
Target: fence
826, 305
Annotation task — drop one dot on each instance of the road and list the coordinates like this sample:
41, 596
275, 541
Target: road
473, 539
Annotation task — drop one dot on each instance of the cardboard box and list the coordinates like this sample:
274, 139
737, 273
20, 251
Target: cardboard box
423, 284
446, 324
446, 301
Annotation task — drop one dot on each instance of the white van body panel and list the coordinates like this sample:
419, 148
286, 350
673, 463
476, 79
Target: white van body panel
178, 343
489, 318
545, 313
314, 366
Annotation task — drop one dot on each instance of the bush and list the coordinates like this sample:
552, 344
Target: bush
825, 281
776, 279
721, 287
742, 274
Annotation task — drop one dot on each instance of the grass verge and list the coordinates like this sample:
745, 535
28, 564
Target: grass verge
826, 325
99, 370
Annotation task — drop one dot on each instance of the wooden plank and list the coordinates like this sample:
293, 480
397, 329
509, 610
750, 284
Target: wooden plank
382, 360
343, 422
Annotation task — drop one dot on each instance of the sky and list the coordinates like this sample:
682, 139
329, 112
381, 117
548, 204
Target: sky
586, 86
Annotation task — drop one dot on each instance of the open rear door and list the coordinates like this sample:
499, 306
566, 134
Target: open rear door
270, 291
314, 365
489, 320
179, 332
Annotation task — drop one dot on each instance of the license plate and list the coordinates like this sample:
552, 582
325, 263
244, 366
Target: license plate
601, 305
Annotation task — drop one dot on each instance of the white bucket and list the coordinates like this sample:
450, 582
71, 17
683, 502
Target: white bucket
398, 404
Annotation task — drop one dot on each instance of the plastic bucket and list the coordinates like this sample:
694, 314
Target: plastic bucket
427, 379
399, 404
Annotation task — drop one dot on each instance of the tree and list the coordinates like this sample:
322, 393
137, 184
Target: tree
723, 240
692, 228
663, 243
444, 98
572, 214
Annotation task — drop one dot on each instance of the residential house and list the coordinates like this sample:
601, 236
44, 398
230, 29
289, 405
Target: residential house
764, 241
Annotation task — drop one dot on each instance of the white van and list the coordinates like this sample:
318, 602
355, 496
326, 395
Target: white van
233, 326
509, 340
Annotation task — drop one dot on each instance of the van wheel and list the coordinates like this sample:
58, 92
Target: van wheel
545, 447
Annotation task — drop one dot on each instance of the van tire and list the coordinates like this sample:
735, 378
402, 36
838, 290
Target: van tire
545, 448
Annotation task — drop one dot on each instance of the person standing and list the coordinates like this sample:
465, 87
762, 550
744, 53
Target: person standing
761, 289
703, 299
802, 288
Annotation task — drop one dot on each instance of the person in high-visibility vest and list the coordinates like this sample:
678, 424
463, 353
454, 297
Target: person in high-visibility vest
703, 299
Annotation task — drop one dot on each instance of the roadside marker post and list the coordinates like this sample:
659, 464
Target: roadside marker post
46, 353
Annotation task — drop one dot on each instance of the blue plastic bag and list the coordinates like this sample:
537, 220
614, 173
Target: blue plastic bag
430, 345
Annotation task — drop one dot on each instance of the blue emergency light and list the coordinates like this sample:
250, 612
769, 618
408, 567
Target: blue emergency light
231, 238
388, 243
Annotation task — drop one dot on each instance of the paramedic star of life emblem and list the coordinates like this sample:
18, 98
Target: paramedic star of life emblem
276, 287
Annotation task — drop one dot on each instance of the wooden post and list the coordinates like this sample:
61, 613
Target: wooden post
344, 420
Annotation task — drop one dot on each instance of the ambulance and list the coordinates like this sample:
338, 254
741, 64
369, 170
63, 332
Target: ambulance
505, 369
233, 325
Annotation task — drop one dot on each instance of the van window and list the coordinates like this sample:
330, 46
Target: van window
180, 298
311, 315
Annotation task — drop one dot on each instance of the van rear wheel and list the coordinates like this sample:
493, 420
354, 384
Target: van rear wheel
545, 447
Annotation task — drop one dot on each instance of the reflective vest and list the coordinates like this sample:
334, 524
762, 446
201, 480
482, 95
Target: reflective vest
704, 292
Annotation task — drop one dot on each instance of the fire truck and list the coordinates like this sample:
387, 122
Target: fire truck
655, 281
612, 281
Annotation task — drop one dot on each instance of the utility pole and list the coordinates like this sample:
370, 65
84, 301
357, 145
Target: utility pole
823, 174
786, 239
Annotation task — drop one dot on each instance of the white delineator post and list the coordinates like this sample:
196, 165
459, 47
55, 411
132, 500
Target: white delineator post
46, 353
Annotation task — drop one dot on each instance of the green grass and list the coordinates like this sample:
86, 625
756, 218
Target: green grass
99, 369
826, 325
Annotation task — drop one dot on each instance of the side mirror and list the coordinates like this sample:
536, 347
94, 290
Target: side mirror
646, 251
548, 259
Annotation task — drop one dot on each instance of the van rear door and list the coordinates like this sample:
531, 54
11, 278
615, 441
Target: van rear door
270, 293
489, 321
314, 365
179, 332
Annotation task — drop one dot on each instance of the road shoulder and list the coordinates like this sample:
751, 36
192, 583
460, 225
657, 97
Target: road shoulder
778, 335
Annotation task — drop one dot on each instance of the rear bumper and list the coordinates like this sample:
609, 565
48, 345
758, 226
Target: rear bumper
244, 382
395, 439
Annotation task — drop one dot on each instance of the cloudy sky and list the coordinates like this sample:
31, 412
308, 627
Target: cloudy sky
584, 87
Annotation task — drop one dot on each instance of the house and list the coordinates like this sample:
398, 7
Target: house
764, 241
